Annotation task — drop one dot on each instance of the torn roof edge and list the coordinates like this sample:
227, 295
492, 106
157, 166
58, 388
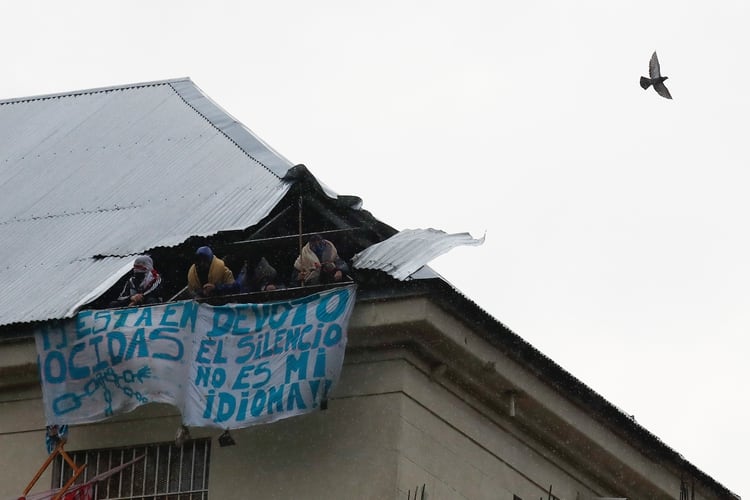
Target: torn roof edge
102, 288
398, 257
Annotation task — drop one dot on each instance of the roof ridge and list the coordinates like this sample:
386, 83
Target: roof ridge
221, 130
95, 90
229, 126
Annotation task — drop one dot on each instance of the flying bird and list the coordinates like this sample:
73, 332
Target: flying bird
654, 72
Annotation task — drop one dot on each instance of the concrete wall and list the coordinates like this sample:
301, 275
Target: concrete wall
388, 431
453, 448
420, 412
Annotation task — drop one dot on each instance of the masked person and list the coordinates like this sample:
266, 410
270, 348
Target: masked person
318, 262
209, 275
142, 287
262, 277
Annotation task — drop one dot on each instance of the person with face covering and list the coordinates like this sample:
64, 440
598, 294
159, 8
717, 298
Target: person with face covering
209, 275
260, 277
319, 262
142, 287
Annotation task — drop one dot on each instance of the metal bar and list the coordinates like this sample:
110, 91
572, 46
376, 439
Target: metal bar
192, 468
169, 469
156, 471
299, 209
145, 468
132, 475
174, 297
275, 217
109, 465
206, 450
61, 479
179, 473
293, 236
119, 483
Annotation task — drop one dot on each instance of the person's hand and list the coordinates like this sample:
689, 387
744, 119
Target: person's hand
136, 299
337, 276
208, 288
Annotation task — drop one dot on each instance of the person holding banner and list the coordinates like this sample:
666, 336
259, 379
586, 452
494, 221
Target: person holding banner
209, 276
143, 287
319, 262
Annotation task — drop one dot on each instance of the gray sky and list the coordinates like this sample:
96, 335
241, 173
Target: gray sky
614, 219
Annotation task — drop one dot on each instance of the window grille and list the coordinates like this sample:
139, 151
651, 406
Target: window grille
166, 472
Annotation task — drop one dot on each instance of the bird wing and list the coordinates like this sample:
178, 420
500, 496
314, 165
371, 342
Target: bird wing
654, 71
661, 89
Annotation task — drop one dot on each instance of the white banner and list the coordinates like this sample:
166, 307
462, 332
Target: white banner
223, 366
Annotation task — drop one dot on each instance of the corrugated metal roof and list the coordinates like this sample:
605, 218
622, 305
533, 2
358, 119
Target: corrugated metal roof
114, 172
409, 250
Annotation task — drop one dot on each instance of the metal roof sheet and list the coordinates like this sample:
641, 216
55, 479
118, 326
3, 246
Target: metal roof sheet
407, 251
114, 172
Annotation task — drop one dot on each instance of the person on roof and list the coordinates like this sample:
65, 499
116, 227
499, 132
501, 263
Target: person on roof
143, 287
209, 275
318, 262
261, 277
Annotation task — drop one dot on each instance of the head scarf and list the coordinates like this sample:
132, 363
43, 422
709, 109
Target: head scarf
145, 266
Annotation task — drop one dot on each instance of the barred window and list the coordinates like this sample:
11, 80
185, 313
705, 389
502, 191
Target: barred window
166, 472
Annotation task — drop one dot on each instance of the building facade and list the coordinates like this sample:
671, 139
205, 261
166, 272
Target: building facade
436, 398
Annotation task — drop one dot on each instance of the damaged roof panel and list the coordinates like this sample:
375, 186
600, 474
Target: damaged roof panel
409, 250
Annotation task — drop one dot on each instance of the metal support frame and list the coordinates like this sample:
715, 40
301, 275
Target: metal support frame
77, 471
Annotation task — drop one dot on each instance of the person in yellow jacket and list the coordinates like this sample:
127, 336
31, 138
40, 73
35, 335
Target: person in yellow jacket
209, 275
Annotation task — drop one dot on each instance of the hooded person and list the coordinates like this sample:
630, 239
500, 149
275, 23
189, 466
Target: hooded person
262, 277
319, 262
142, 287
209, 275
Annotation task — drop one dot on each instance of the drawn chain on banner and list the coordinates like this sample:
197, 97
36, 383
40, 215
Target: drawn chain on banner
228, 366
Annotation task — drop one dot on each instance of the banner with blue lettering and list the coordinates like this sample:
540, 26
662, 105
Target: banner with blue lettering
228, 366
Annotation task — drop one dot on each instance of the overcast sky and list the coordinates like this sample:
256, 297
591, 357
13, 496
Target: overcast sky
616, 240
